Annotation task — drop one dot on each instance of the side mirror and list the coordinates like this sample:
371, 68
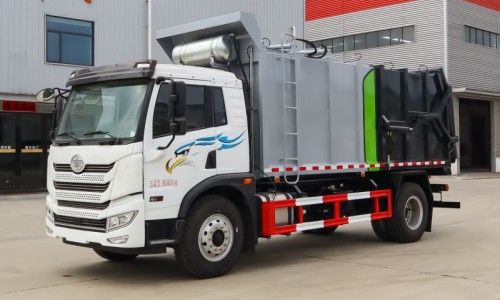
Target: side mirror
178, 126
177, 100
177, 108
45, 95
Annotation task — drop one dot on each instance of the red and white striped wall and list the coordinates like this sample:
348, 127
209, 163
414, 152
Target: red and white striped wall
276, 170
271, 205
318, 9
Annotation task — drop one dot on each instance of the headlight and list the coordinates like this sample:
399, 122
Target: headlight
50, 214
120, 221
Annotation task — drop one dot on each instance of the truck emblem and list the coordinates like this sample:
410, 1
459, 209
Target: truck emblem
77, 164
181, 153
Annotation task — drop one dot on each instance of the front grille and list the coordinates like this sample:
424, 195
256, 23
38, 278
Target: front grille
87, 187
84, 205
80, 223
88, 168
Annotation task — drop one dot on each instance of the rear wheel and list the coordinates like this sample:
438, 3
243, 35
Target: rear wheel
212, 238
116, 257
380, 229
409, 215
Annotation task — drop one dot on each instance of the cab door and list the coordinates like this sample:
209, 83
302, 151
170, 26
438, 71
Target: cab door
170, 173
230, 121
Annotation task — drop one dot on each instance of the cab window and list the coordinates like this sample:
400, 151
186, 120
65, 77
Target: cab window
199, 109
220, 117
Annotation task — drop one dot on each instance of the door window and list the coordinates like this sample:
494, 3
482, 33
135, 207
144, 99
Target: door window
220, 117
161, 123
199, 110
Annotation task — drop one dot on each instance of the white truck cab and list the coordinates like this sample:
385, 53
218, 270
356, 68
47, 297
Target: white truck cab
109, 154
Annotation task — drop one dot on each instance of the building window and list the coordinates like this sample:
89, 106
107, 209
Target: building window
338, 45
481, 37
349, 43
396, 36
360, 41
384, 38
408, 34
69, 41
373, 39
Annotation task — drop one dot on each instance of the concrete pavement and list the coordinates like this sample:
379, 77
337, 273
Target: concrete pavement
460, 259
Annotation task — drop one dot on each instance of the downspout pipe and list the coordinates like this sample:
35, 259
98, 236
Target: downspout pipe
148, 4
445, 31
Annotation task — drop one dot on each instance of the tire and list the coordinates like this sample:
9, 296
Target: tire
115, 257
212, 238
409, 215
380, 229
321, 231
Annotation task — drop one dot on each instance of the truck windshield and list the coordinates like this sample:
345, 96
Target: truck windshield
104, 110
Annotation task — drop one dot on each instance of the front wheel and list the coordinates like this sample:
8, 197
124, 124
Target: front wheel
410, 214
212, 238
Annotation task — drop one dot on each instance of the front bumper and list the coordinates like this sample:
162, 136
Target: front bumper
134, 230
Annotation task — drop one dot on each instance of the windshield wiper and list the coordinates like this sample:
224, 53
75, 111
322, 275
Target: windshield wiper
77, 140
117, 140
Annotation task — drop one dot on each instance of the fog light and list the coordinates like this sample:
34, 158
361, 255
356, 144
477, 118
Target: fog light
122, 239
120, 221
49, 231
50, 214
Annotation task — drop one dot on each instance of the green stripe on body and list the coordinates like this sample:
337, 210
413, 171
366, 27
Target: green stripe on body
370, 119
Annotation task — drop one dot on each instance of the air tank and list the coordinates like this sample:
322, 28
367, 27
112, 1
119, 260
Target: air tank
200, 53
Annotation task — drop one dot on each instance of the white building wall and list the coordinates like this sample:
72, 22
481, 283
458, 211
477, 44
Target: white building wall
119, 27
475, 67
472, 66
426, 15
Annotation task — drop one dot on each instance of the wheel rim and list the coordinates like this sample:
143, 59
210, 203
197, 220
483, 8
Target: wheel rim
216, 237
414, 212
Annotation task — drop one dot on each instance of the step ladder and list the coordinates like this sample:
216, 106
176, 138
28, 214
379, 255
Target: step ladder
290, 114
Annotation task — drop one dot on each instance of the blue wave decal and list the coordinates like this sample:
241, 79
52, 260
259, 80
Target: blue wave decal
227, 143
229, 146
225, 140
185, 146
209, 138
203, 143
230, 143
